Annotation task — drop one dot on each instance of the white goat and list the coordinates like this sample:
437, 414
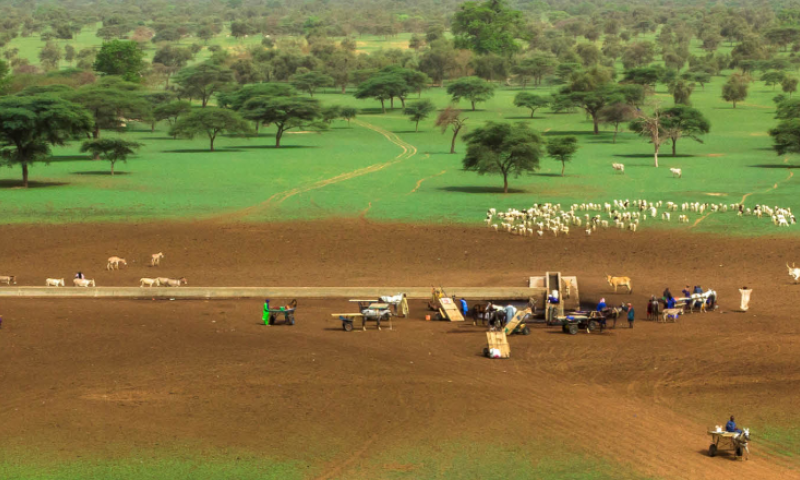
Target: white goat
676, 172
794, 272
54, 282
150, 282
618, 166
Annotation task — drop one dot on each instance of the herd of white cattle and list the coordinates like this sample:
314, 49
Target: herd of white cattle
113, 263
621, 214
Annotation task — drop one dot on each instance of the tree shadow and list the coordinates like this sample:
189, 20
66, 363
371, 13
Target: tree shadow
650, 155
408, 131
556, 175
100, 173
578, 132
202, 150
10, 184
478, 189
139, 130
70, 158
282, 147
775, 165
525, 117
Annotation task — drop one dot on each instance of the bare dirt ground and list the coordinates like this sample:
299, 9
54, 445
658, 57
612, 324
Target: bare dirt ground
109, 376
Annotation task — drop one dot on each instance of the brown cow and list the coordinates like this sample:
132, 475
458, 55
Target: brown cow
620, 282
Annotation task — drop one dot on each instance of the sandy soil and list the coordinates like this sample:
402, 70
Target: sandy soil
109, 376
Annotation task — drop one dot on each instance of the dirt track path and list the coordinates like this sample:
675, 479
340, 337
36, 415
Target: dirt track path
277, 199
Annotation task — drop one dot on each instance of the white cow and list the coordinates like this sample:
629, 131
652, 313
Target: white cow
150, 282
54, 282
618, 166
83, 282
676, 172
794, 272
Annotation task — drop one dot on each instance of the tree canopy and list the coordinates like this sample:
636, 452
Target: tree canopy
204, 80
283, 112
210, 121
503, 148
418, 111
562, 149
121, 58
111, 149
30, 125
471, 88
531, 101
487, 27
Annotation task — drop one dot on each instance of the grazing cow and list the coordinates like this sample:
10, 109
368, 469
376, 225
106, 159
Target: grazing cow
8, 279
620, 282
83, 282
619, 167
175, 283
794, 272
156, 259
54, 282
676, 172
113, 263
150, 282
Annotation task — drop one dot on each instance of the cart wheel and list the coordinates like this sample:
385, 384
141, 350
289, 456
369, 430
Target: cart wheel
739, 451
348, 327
526, 330
573, 329
291, 320
712, 450
592, 325
486, 352
272, 319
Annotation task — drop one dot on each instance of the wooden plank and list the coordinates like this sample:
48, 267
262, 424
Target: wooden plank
348, 315
451, 311
514, 323
499, 341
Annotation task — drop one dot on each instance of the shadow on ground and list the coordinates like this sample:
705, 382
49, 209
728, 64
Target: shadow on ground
18, 184
477, 189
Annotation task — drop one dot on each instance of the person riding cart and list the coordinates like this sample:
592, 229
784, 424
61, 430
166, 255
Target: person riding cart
731, 426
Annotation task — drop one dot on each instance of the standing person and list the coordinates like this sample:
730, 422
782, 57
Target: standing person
631, 314
79, 275
686, 292
745, 298
671, 302
464, 308
265, 316
510, 310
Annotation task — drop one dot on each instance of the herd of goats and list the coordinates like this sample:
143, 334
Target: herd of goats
113, 264
621, 214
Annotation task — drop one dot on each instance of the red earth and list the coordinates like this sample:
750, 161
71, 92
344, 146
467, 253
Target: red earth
109, 376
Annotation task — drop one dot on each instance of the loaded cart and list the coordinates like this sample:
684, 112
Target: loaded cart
589, 321
376, 312
497, 345
737, 441
288, 315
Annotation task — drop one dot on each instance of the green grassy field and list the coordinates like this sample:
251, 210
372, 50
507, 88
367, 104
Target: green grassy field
445, 462
179, 178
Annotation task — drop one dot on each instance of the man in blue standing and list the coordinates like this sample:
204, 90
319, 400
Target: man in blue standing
464, 308
731, 426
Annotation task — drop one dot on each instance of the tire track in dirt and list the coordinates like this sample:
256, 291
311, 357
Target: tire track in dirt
744, 197
277, 199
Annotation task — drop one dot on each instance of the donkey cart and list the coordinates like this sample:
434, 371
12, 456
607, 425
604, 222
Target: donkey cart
736, 441
589, 321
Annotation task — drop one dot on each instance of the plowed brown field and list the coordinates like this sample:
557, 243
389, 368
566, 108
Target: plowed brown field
112, 375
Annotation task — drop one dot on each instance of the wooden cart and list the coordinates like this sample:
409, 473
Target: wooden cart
288, 315
497, 340
445, 306
589, 321
373, 312
517, 324
739, 447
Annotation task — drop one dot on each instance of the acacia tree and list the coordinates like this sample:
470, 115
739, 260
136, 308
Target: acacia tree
772, 78
535, 68
789, 85
419, 111
616, 114
682, 121
562, 149
473, 89
311, 81
650, 127
786, 136
49, 56
531, 101
170, 59
383, 87
204, 80
210, 121
283, 112
681, 90
488, 27
29, 125
503, 148
451, 118
110, 101
348, 113
735, 90
171, 111
111, 149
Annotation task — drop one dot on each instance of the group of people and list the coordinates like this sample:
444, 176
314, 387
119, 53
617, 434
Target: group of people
603, 307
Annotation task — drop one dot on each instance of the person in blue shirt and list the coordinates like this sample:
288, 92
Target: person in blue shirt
686, 293
464, 307
602, 305
671, 302
631, 314
731, 426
